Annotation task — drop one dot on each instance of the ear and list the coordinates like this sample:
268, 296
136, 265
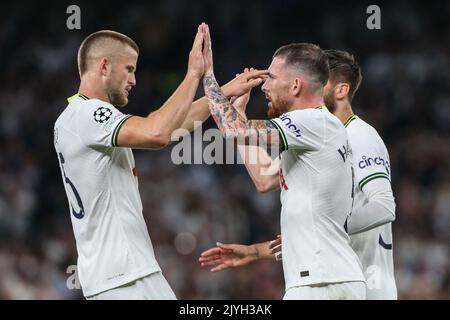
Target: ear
104, 66
297, 87
341, 90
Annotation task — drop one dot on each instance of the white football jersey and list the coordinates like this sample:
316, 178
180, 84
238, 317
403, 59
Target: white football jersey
101, 184
316, 194
373, 247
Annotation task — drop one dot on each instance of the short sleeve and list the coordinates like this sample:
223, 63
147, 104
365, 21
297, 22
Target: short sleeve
371, 162
99, 123
301, 129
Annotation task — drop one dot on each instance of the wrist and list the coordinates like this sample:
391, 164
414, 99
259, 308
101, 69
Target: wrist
209, 73
226, 90
192, 76
253, 252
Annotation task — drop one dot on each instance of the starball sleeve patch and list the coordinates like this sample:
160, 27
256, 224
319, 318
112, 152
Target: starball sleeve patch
102, 114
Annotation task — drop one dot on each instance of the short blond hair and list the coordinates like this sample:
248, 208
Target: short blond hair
104, 39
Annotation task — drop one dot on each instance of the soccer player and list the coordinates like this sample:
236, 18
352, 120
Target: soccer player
316, 170
93, 142
370, 224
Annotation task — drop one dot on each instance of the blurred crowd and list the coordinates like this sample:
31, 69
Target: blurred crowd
405, 94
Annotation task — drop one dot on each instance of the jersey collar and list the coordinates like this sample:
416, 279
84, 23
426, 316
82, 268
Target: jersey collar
82, 96
353, 117
323, 107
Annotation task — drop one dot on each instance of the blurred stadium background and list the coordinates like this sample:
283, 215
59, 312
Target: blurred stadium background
405, 94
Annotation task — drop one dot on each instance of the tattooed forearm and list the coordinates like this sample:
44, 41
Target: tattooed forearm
234, 125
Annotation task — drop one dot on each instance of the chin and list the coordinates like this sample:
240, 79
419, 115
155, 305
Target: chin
273, 113
121, 102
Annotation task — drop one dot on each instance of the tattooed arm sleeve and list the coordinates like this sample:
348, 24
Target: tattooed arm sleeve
234, 125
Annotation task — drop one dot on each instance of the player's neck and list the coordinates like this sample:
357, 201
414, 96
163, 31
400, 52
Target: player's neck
343, 111
91, 89
312, 101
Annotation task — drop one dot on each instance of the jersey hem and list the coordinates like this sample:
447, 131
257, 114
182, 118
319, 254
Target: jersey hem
130, 278
323, 282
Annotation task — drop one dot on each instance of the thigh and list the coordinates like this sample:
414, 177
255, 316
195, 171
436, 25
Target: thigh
156, 287
306, 293
354, 290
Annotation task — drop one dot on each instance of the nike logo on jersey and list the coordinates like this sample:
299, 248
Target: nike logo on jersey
384, 244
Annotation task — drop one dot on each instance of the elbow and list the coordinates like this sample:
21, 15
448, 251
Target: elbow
263, 187
392, 211
158, 141
389, 206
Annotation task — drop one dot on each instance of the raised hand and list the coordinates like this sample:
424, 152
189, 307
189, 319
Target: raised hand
240, 102
244, 82
207, 51
227, 256
196, 65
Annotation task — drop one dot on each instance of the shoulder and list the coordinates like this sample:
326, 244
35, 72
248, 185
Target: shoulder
304, 116
97, 110
362, 134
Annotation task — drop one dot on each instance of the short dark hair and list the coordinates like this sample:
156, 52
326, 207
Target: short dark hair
307, 58
344, 68
90, 40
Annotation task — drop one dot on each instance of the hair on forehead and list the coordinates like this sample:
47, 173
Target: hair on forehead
344, 68
102, 43
307, 59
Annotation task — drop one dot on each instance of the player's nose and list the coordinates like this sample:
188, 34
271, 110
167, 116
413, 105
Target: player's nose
264, 87
132, 80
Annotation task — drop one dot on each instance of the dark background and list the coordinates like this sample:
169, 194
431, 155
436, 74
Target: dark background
404, 94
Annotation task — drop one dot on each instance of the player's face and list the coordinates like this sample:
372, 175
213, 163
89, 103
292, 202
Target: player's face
122, 77
328, 97
276, 88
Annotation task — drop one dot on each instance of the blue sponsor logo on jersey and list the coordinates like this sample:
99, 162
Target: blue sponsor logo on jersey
291, 126
374, 161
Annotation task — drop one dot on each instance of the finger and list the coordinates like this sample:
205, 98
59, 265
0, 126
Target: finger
253, 83
275, 243
207, 37
210, 257
210, 263
278, 256
276, 249
211, 251
219, 268
198, 41
278, 235
226, 247
257, 73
